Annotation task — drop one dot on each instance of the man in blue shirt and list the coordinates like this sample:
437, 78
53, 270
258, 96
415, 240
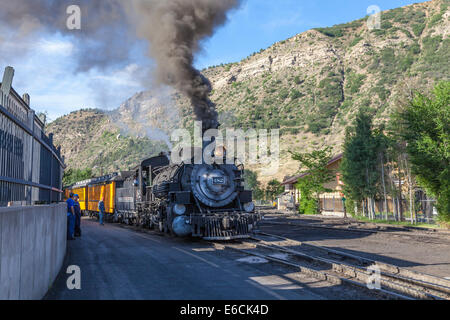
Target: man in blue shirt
77, 216
70, 217
101, 211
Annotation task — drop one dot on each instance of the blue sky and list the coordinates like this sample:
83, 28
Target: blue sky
47, 71
260, 23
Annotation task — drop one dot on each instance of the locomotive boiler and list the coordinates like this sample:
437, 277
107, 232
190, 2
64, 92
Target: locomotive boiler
208, 201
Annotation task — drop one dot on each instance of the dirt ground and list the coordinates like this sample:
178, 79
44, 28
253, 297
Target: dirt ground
420, 250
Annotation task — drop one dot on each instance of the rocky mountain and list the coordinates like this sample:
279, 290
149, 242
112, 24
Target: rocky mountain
91, 139
309, 86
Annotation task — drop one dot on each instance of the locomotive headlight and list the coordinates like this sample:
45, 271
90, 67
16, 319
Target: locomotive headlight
249, 207
179, 209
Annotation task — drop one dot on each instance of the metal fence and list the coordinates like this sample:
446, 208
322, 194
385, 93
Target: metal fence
424, 209
31, 168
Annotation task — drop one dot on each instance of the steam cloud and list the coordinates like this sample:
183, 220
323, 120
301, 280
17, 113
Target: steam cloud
174, 29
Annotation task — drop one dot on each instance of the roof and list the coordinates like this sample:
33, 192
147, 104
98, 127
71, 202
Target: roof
295, 179
116, 176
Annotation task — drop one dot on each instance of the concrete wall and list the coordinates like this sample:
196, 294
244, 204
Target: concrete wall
32, 249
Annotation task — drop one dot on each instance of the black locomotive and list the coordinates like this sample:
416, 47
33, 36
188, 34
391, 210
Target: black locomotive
199, 200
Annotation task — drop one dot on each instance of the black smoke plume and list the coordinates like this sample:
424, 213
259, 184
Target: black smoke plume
175, 30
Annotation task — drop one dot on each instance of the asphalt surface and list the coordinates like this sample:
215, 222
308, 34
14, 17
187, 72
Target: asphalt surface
428, 254
120, 263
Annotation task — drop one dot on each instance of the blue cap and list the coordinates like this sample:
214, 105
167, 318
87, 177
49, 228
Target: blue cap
76, 196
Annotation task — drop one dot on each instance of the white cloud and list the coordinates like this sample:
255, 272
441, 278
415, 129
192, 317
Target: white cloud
123, 77
55, 47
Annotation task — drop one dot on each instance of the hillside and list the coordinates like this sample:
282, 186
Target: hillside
90, 139
310, 86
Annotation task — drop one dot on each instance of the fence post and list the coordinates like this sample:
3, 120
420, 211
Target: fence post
334, 208
29, 163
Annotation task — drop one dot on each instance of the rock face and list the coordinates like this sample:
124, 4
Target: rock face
149, 115
309, 86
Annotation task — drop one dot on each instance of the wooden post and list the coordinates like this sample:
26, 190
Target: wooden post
384, 187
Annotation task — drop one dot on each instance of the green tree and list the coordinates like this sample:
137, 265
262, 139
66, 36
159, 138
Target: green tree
424, 123
252, 183
72, 176
317, 175
360, 162
274, 189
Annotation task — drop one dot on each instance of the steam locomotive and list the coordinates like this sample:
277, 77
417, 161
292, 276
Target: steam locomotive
198, 200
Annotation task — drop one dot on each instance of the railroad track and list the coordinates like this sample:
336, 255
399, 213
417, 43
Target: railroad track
341, 268
434, 236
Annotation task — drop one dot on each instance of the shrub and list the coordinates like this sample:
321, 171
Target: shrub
355, 82
386, 25
355, 41
297, 80
431, 44
394, 14
284, 93
438, 17
315, 125
379, 32
407, 33
381, 92
415, 48
418, 29
333, 32
406, 62
295, 94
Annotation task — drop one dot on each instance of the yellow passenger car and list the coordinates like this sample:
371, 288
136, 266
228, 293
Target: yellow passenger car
106, 192
82, 193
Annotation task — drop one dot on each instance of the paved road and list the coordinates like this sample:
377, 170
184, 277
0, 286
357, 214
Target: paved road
119, 263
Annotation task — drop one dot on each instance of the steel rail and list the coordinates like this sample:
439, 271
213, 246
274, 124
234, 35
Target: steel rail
416, 284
